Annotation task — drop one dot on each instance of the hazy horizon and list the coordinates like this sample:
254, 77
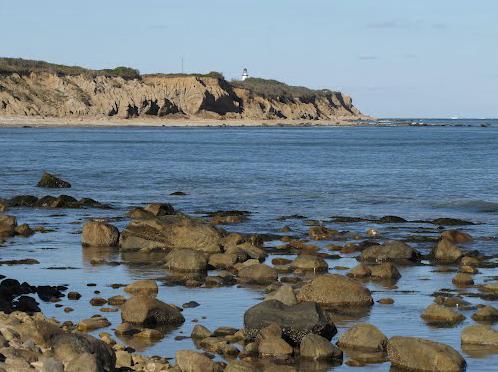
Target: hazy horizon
395, 59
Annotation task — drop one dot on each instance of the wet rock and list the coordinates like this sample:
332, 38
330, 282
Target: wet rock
200, 332
441, 315
149, 312
480, 335
8, 226
391, 219
186, 260
452, 301
360, 271
469, 261
462, 279
70, 347
190, 305
160, 209
142, 287
423, 355
372, 233
23, 201
390, 251
91, 324
284, 294
386, 301
222, 260
178, 193
335, 290
363, 336
318, 348
321, 233
306, 262
73, 296
149, 334
490, 287
26, 304
246, 249
99, 234
385, 271
273, 346
191, 361
258, 274
98, 301
456, 236
171, 232
486, 313
446, 252
228, 217
3, 205
48, 180
24, 230
240, 366
450, 222
123, 359
296, 321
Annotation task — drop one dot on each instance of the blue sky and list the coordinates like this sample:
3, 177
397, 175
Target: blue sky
419, 58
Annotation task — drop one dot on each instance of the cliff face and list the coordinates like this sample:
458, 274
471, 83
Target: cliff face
48, 94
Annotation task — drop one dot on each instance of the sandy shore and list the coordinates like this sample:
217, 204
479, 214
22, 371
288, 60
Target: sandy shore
39, 121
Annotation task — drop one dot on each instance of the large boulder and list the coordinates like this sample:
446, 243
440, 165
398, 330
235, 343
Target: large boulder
446, 252
99, 234
307, 262
186, 260
284, 294
69, 347
335, 290
318, 348
50, 181
390, 251
486, 314
150, 312
364, 337
296, 321
441, 315
456, 236
160, 209
258, 274
171, 232
8, 225
480, 335
423, 355
192, 361
4, 205
385, 270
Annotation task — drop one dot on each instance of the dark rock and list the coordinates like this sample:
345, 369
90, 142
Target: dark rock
99, 234
150, 312
23, 201
50, 181
451, 222
390, 251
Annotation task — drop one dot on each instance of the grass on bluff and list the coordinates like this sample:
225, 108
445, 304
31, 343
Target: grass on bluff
26, 66
212, 74
276, 89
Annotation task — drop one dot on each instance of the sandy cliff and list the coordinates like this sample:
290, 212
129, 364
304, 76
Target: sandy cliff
47, 94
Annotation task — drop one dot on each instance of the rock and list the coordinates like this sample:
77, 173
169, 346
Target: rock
274, 347
50, 181
456, 237
200, 332
149, 312
24, 230
463, 279
99, 234
423, 355
190, 305
450, 222
335, 290
469, 261
160, 209
222, 260
240, 366
8, 225
391, 219
386, 301
486, 313
123, 359
318, 348
149, 334
73, 296
446, 252
441, 315
3, 205
452, 301
92, 324
169, 233
186, 260
391, 251
228, 217
365, 337
70, 347
321, 233
479, 335
116, 300
306, 262
372, 233
98, 301
296, 321
360, 271
258, 274
284, 294
191, 361
385, 271
142, 287
23, 201
490, 287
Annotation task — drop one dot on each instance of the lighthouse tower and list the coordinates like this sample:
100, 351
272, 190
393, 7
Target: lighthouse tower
245, 75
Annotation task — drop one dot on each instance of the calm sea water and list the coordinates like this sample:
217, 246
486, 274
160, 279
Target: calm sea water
413, 172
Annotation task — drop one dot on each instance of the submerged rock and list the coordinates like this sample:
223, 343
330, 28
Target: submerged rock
441, 315
486, 313
456, 236
335, 290
423, 355
48, 180
390, 251
296, 321
480, 335
307, 262
385, 271
99, 234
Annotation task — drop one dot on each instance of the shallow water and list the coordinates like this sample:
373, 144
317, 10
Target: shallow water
414, 172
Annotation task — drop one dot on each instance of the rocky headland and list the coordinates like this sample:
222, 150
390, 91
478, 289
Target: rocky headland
35, 90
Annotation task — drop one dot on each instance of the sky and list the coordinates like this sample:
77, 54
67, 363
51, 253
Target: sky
395, 58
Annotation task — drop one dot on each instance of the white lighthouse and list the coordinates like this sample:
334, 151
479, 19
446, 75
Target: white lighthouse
245, 75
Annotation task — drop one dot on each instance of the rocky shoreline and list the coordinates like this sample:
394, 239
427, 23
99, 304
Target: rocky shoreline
292, 329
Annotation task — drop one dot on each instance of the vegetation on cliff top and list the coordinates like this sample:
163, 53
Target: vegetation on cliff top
26, 66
